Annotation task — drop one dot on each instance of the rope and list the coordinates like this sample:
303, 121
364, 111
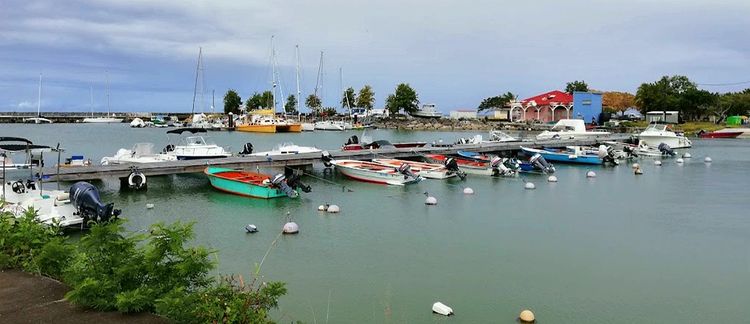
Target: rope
343, 187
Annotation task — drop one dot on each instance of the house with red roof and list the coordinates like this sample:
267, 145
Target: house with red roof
546, 107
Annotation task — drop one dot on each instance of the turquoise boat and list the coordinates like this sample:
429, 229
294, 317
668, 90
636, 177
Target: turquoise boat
251, 184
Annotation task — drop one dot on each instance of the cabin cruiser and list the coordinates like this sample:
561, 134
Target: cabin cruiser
140, 153
282, 149
658, 133
570, 129
427, 111
329, 125
194, 147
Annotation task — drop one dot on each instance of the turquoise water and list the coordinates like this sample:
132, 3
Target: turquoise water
669, 246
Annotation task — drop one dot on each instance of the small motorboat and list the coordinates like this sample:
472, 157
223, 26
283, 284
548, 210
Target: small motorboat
426, 170
474, 156
657, 133
497, 167
719, 134
282, 149
376, 173
569, 154
140, 153
354, 144
194, 147
256, 185
329, 125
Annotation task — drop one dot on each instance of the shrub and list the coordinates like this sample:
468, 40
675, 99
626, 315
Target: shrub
32, 246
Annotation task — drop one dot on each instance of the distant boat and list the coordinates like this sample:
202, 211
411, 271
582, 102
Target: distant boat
570, 129
719, 134
329, 125
102, 120
288, 149
376, 173
38, 119
256, 185
427, 111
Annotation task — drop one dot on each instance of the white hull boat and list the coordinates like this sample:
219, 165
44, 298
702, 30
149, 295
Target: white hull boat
102, 120
657, 133
427, 111
570, 129
329, 126
140, 153
375, 173
37, 120
288, 149
425, 170
137, 123
195, 147
308, 127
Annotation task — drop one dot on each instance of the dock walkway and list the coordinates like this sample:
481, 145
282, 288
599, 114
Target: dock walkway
252, 162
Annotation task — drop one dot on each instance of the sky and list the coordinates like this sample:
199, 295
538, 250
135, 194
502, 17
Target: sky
453, 53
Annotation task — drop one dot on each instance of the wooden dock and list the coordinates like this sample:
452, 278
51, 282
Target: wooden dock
298, 160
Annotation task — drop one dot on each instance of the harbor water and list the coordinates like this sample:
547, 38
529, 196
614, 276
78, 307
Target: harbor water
668, 246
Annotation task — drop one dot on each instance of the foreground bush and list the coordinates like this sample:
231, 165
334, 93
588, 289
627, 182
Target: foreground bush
26, 244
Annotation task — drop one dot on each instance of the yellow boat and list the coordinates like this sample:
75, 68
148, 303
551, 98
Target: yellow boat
265, 121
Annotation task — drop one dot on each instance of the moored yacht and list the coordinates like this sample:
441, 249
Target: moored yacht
194, 147
570, 129
658, 133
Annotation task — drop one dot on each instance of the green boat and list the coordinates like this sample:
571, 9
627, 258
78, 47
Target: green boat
251, 184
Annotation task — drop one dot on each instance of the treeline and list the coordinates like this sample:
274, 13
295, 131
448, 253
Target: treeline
156, 272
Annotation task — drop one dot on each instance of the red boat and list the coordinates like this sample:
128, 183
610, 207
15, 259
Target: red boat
719, 134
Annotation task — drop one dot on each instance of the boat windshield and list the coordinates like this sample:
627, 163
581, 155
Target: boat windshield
143, 149
195, 140
657, 127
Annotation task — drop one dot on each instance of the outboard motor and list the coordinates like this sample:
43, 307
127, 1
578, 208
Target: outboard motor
629, 151
512, 163
607, 154
293, 180
168, 148
353, 140
247, 149
452, 166
326, 157
279, 181
405, 169
85, 198
499, 169
665, 149
538, 161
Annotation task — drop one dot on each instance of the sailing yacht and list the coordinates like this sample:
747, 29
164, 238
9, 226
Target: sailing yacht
110, 118
38, 119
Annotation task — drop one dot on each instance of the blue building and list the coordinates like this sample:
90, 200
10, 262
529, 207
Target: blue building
587, 106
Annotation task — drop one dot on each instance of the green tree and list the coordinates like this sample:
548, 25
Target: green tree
663, 94
291, 105
328, 111
576, 86
260, 101
232, 102
349, 98
732, 103
405, 98
366, 98
313, 102
496, 101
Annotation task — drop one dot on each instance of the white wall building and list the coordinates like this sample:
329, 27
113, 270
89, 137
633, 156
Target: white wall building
463, 114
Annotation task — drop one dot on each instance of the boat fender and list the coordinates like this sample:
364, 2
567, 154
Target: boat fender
137, 180
250, 228
442, 309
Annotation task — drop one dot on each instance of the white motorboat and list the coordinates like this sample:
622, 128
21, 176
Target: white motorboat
426, 170
427, 111
287, 149
140, 153
570, 129
376, 173
194, 147
329, 125
137, 123
308, 127
658, 133
497, 136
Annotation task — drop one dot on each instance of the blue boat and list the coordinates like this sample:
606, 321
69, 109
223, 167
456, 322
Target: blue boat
474, 156
571, 154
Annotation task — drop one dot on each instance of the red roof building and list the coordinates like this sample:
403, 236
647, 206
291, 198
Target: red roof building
546, 107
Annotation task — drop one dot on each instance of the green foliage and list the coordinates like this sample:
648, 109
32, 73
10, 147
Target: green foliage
348, 98
496, 101
32, 246
366, 98
232, 102
313, 102
732, 103
328, 112
291, 105
404, 98
576, 85
260, 101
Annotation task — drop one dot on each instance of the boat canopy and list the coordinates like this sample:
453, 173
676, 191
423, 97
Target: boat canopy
192, 130
17, 147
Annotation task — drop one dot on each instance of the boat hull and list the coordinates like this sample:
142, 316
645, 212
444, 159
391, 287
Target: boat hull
102, 120
674, 142
390, 178
289, 128
240, 188
721, 135
426, 170
564, 157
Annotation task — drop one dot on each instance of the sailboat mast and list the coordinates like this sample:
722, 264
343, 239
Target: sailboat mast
273, 76
107, 80
39, 99
195, 88
346, 93
91, 94
213, 100
296, 55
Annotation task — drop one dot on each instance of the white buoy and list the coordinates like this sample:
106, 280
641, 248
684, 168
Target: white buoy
250, 228
322, 208
552, 178
638, 171
430, 201
679, 161
687, 155
442, 309
636, 165
149, 206
333, 209
708, 159
529, 185
526, 316
291, 228
591, 174
468, 191
657, 163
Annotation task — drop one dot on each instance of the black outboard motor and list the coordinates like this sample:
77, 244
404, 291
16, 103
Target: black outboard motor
452, 166
247, 149
279, 181
326, 157
168, 148
610, 157
541, 164
294, 180
353, 140
405, 169
85, 198
629, 151
665, 149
